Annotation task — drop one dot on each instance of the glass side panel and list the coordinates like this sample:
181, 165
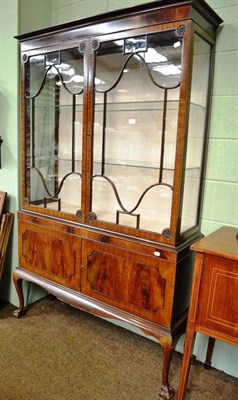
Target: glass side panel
137, 84
196, 133
54, 95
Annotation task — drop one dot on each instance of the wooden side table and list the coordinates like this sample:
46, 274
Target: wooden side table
214, 298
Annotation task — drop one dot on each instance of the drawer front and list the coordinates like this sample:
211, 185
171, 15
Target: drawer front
130, 281
50, 253
218, 296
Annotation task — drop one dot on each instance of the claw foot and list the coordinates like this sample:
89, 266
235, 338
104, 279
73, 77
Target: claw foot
18, 313
166, 392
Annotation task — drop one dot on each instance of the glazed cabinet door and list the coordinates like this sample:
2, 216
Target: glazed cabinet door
139, 284
136, 105
52, 143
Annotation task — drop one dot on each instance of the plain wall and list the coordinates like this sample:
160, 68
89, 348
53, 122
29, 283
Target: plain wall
9, 131
34, 15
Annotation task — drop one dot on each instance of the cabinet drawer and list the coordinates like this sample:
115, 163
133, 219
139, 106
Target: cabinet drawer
136, 283
218, 309
50, 253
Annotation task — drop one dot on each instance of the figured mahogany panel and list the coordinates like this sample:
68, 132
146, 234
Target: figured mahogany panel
219, 296
128, 280
50, 253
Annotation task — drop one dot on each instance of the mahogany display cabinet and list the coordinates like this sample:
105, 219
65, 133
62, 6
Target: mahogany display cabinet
114, 118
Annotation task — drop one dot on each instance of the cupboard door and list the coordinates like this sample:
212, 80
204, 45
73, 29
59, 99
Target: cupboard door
139, 284
137, 89
50, 253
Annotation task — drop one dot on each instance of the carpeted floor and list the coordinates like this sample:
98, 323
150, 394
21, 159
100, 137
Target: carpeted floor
56, 352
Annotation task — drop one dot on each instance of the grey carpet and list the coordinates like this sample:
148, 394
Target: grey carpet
56, 352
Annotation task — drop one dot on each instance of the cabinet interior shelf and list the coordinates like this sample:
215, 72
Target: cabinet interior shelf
172, 105
42, 162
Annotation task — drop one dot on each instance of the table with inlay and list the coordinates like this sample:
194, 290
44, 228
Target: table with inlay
214, 298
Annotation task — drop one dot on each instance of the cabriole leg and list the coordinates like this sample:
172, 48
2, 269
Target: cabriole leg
166, 391
19, 312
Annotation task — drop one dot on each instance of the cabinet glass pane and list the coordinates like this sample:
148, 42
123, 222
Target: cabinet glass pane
53, 95
196, 133
137, 83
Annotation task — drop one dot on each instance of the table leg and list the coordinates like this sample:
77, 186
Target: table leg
188, 348
210, 348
